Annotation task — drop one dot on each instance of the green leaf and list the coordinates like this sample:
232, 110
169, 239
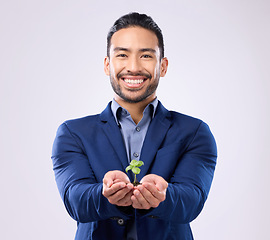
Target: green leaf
133, 163
136, 163
136, 170
140, 163
128, 168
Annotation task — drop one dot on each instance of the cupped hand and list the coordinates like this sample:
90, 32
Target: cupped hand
117, 188
150, 193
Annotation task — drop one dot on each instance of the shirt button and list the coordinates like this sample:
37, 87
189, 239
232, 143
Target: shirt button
120, 221
136, 154
138, 129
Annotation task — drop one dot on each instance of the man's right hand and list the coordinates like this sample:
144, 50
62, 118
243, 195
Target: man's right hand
117, 188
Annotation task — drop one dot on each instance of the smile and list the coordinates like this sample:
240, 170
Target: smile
133, 81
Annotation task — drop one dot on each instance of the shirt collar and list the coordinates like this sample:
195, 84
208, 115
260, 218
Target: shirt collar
117, 109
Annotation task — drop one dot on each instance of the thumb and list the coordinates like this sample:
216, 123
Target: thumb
108, 182
161, 186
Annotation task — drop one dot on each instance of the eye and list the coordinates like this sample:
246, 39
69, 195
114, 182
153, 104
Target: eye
146, 56
121, 55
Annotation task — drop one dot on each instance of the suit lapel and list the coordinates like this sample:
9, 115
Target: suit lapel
114, 136
154, 137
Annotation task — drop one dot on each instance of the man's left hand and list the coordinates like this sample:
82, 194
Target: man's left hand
150, 193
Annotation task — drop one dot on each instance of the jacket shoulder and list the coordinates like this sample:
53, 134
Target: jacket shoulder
82, 124
188, 125
183, 119
83, 120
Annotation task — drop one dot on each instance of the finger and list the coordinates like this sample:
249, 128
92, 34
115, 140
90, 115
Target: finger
120, 176
118, 196
160, 182
135, 203
126, 201
161, 186
117, 180
130, 186
115, 176
149, 197
108, 191
160, 195
107, 181
141, 202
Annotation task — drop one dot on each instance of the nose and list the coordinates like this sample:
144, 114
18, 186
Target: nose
133, 64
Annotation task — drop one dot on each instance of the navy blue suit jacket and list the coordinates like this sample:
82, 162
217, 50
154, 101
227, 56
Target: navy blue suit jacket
177, 147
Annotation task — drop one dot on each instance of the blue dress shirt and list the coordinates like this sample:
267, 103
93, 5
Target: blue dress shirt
133, 134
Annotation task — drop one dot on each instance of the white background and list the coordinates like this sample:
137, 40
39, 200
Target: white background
51, 60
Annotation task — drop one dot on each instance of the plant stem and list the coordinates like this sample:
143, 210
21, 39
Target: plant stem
135, 179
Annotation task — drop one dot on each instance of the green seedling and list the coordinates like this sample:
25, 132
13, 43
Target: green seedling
134, 166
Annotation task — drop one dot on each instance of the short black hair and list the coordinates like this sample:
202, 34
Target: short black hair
132, 20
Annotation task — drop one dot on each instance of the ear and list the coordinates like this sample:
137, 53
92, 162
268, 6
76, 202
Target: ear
107, 66
164, 66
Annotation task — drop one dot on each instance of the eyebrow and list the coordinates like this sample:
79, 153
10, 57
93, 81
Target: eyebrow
148, 50
117, 49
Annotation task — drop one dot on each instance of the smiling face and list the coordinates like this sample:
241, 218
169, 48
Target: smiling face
134, 65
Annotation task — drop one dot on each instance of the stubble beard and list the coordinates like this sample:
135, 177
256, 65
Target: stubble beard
148, 92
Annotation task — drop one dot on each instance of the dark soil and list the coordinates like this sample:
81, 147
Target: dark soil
136, 183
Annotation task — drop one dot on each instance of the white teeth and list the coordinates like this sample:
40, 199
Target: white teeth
133, 81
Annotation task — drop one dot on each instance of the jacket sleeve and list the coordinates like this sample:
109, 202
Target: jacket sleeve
76, 182
190, 184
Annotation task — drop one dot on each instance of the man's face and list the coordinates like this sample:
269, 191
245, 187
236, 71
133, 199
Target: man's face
134, 65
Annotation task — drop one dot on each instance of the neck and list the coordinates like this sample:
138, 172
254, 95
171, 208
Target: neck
135, 109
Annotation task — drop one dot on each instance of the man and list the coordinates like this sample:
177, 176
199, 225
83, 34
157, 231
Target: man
90, 154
